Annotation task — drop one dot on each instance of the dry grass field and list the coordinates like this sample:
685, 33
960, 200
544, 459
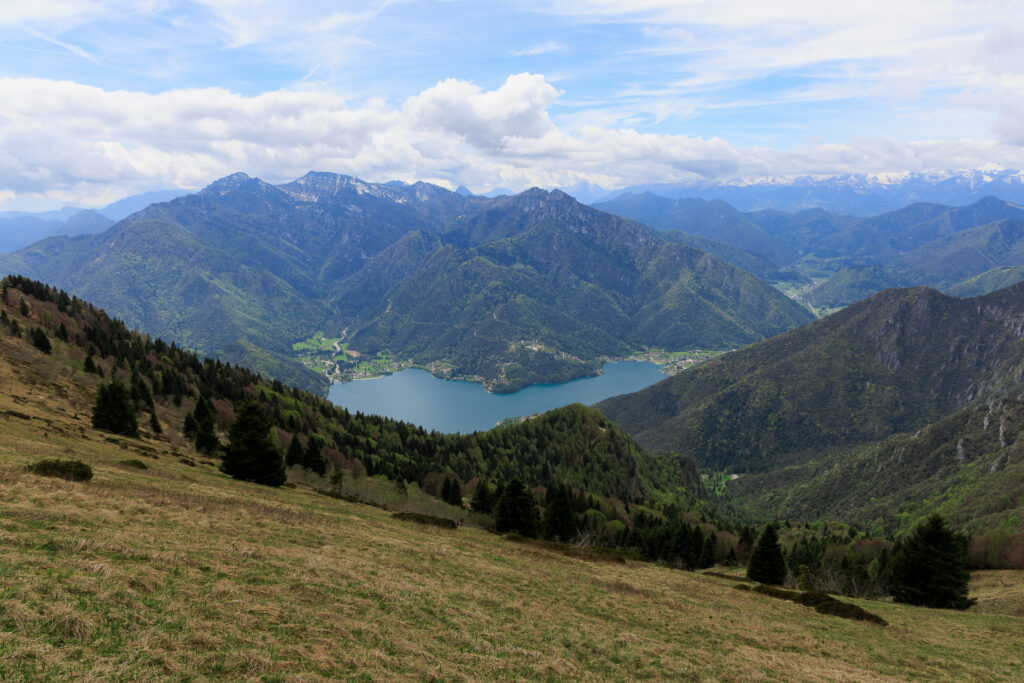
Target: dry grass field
177, 572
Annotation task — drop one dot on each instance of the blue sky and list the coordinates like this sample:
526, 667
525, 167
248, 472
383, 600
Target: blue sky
104, 99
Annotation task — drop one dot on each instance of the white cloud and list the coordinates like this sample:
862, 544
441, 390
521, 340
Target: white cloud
540, 49
83, 144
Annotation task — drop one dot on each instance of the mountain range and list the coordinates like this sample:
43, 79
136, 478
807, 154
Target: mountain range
835, 260
511, 290
852, 194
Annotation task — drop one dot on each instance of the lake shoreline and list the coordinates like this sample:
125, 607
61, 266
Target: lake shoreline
453, 405
671, 362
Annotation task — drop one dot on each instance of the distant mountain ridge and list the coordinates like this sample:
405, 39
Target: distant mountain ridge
512, 290
21, 228
853, 194
848, 258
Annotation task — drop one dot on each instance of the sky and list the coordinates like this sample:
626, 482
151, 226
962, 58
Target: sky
104, 99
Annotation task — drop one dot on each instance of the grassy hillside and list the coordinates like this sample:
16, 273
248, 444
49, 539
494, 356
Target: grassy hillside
176, 571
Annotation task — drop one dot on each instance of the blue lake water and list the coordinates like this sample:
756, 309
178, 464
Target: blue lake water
448, 406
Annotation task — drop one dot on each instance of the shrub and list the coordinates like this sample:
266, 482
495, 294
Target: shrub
134, 463
823, 603
72, 470
429, 520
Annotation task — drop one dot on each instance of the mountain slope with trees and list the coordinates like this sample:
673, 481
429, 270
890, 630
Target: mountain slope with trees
803, 413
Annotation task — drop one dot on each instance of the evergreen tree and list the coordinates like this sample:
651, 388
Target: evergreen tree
40, 340
295, 452
251, 454
313, 458
930, 568
730, 557
205, 436
516, 510
154, 423
140, 392
482, 501
451, 492
114, 410
745, 545
190, 428
766, 562
559, 516
90, 364
707, 552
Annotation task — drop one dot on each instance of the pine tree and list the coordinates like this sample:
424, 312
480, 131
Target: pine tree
559, 516
766, 562
313, 458
154, 423
295, 452
451, 492
931, 568
482, 501
516, 510
40, 340
707, 553
251, 454
206, 440
114, 411
90, 364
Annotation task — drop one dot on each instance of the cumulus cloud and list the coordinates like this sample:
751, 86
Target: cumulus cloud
80, 143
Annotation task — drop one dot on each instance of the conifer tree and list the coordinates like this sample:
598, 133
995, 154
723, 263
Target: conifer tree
482, 501
931, 568
154, 423
295, 452
707, 553
313, 458
559, 516
251, 454
114, 410
40, 340
451, 492
516, 510
766, 562
206, 440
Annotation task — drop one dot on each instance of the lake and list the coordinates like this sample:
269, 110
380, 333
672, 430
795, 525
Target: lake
449, 406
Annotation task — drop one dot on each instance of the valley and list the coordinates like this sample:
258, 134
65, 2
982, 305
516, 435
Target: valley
552, 341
